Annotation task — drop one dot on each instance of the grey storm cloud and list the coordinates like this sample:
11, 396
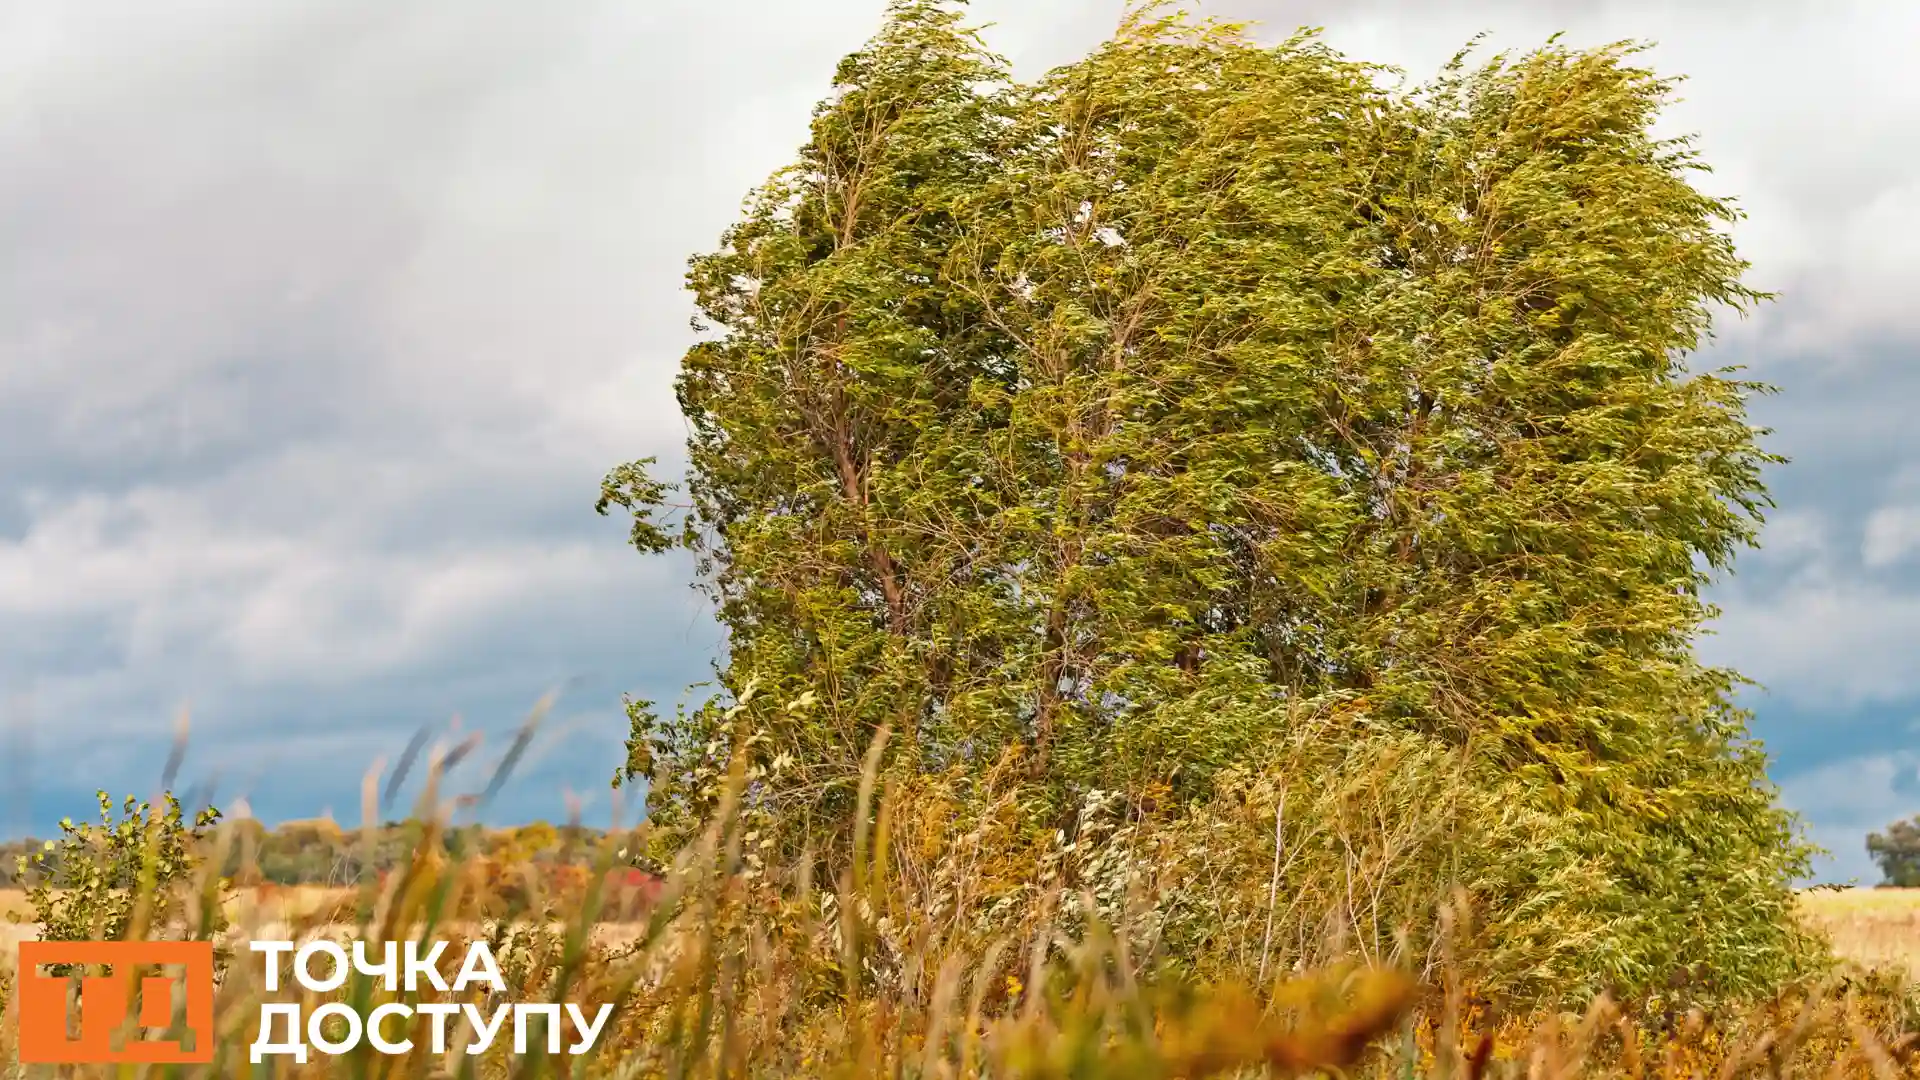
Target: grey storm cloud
320, 321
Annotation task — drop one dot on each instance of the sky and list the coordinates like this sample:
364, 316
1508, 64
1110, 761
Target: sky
320, 321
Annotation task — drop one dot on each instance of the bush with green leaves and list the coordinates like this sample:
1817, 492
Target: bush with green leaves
1203, 399
134, 869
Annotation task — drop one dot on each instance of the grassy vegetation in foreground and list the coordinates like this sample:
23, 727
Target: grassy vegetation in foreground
745, 970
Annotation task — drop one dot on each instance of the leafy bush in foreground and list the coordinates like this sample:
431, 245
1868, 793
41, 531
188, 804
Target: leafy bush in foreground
114, 879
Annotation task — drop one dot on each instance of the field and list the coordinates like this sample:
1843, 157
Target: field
248, 910
1879, 928
1876, 927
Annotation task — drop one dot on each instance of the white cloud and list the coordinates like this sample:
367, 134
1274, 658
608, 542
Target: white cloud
1826, 621
319, 322
1846, 800
1795, 539
1839, 643
274, 604
1893, 533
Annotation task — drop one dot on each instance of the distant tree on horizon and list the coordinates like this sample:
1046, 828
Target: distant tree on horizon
1897, 851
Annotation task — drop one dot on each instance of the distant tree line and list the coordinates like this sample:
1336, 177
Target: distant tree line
320, 852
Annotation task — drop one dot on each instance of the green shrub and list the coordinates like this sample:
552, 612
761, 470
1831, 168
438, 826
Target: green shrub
1204, 410
130, 871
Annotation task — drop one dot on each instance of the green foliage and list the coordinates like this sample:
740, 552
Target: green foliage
1202, 402
629, 487
1897, 852
100, 881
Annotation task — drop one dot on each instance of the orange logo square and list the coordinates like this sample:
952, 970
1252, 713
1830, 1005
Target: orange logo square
104, 1000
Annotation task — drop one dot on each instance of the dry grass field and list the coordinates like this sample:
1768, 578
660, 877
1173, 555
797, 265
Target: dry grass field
1876, 927
248, 909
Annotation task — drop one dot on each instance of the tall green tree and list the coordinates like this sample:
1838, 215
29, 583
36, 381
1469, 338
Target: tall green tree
1897, 853
840, 351
1202, 395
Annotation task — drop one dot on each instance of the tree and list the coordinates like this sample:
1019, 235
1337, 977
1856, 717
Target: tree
1898, 853
1205, 398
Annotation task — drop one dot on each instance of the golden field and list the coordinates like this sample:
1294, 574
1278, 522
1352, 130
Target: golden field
1876, 927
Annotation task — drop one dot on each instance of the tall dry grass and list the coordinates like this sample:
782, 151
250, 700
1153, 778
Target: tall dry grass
746, 968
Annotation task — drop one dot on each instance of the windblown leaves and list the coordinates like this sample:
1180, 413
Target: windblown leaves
1203, 394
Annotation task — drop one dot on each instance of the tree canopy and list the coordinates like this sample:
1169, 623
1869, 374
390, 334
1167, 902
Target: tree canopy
1207, 416
1897, 852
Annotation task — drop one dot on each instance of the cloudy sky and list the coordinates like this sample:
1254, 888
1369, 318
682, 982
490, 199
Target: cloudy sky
320, 320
